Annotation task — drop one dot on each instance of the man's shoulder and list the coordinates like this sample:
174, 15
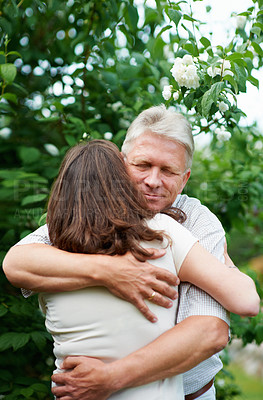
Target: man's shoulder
40, 235
195, 210
182, 201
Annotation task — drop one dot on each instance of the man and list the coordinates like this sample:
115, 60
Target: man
158, 153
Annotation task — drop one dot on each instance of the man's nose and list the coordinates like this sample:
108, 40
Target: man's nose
153, 178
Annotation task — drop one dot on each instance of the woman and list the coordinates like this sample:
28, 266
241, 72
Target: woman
94, 208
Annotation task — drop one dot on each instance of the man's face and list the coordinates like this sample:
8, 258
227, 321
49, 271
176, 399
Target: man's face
157, 166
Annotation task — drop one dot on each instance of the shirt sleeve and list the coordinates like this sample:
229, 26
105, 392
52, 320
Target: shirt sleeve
206, 227
39, 236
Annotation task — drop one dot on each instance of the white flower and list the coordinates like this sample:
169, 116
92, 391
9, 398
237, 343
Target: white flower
188, 59
116, 106
222, 135
226, 68
167, 92
221, 382
51, 149
85, 135
223, 107
124, 123
5, 132
258, 145
108, 135
241, 21
176, 95
185, 72
223, 67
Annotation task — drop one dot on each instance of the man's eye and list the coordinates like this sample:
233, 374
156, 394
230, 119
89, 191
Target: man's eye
142, 166
168, 172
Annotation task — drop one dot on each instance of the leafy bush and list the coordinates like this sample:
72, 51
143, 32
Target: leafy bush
76, 70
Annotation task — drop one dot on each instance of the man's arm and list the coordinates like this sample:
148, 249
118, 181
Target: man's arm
174, 352
43, 268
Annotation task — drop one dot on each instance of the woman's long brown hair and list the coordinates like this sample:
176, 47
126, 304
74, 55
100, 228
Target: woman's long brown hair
95, 208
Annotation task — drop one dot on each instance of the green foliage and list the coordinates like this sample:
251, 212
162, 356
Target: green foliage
77, 70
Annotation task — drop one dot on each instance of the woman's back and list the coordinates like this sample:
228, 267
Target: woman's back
95, 323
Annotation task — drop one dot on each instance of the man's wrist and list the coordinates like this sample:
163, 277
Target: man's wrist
98, 269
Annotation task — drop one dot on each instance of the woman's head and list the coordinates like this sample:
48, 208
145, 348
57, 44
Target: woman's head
94, 207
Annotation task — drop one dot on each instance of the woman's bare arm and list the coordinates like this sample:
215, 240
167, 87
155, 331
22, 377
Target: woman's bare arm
43, 268
233, 289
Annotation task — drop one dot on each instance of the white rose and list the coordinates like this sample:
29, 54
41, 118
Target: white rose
213, 71
124, 123
223, 107
167, 92
176, 95
241, 21
226, 68
108, 135
258, 145
222, 135
188, 59
185, 75
116, 106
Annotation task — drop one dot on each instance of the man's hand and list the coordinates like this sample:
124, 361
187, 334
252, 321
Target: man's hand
86, 379
137, 281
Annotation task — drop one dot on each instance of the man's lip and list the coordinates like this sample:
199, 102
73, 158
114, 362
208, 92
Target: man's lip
152, 196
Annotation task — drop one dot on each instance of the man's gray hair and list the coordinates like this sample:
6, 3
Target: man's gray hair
163, 122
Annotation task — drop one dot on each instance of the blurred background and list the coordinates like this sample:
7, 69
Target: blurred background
77, 70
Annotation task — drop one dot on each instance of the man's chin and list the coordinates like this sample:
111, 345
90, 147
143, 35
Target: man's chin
155, 205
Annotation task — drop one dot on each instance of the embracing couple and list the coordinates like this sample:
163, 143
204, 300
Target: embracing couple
118, 240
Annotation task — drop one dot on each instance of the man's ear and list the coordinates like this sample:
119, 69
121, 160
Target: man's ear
123, 156
185, 179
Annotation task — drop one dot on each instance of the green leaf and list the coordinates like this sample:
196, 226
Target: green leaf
189, 100
241, 76
205, 42
257, 48
259, 333
70, 140
27, 392
8, 72
13, 339
9, 96
39, 387
3, 310
210, 97
132, 17
14, 53
42, 219
34, 198
29, 155
174, 15
164, 30
232, 82
256, 30
253, 80
39, 339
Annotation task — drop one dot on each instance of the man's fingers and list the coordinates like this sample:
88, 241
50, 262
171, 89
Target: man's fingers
160, 300
70, 362
166, 276
144, 309
59, 378
61, 392
165, 290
